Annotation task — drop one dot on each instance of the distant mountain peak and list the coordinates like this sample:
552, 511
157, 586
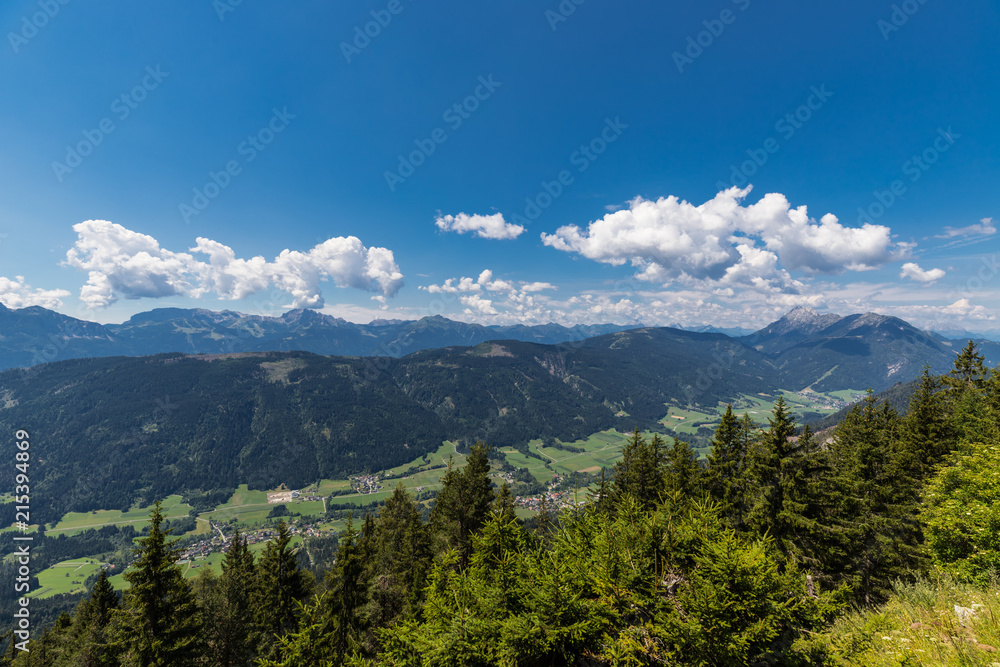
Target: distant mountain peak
802, 319
801, 314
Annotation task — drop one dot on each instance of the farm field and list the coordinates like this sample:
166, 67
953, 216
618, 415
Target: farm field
76, 522
804, 405
65, 577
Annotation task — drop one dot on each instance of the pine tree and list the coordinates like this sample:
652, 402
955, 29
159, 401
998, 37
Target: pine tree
159, 623
503, 506
463, 504
279, 586
231, 633
726, 467
681, 472
876, 513
639, 473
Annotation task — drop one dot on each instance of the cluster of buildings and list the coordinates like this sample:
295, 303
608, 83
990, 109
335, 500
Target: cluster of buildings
220, 543
553, 500
365, 483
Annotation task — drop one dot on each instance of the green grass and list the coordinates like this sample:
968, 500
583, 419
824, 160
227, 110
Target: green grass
77, 522
760, 407
919, 627
601, 450
67, 576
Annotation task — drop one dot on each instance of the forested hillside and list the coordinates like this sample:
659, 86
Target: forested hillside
122, 430
780, 550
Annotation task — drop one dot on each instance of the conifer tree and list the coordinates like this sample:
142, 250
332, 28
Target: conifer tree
681, 474
639, 473
463, 504
770, 467
158, 625
926, 436
876, 513
723, 476
600, 497
346, 597
784, 491
969, 371
503, 506
91, 622
231, 632
399, 561
279, 586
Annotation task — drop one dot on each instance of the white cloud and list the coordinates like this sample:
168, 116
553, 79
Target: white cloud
484, 226
985, 226
122, 263
478, 305
671, 240
16, 294
913, 271
537, 287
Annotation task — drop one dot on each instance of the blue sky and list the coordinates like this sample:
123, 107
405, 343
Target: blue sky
505, 161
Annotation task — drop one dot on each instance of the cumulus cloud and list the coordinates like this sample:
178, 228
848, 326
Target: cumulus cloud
484, 226
482, 295
985, 227
16, 294
122, 263
478, 304
913, 271
724, 241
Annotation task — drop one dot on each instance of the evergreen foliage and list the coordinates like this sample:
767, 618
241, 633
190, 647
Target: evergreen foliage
159, 623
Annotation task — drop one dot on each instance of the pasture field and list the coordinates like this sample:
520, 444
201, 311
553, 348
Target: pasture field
77, 522
65, 577
800, 403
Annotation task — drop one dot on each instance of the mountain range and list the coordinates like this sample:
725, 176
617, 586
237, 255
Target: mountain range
34, 335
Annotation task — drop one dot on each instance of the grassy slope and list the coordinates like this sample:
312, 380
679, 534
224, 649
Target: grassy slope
919, 627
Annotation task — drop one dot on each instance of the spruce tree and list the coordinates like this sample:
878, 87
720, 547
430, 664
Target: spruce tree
969, 371
279, 586
769, 469
784, 491
639, 473
231, 632
726, 467
877, 512
399, 560
503, 506
681, 472
926, 436
463, 504
158, 625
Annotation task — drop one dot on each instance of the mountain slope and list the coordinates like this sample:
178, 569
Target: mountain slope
864, 351
111, 431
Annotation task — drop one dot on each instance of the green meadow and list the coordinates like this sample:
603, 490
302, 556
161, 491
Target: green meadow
77, 522
65, 577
